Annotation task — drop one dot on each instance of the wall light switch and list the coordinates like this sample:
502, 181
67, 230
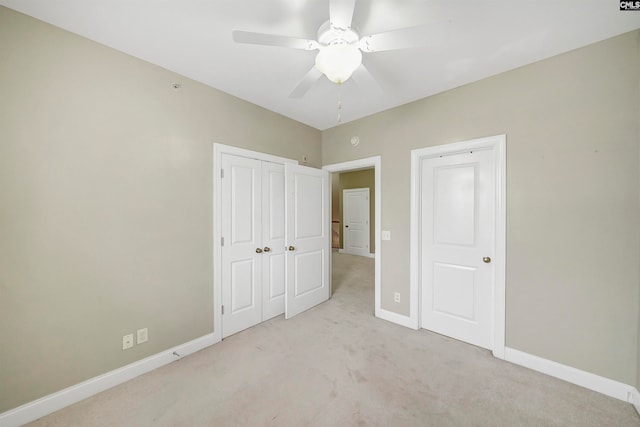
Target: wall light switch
386, 235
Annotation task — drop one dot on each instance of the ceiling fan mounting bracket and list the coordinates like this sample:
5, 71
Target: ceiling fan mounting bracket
327, 35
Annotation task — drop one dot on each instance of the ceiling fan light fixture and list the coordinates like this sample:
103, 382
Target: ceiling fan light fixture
338, 61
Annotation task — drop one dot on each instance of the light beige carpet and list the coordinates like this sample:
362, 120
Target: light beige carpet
337, 365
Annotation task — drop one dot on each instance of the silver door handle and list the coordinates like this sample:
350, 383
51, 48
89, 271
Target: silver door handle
292, 248
267, 249
486, 260
258, 250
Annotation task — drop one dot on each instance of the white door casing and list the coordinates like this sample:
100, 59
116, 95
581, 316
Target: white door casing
453, 232
241, 225
355, 215
307, 219
273, 234
458, 222
375, 162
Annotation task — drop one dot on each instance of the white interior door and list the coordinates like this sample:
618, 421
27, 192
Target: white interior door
273, 233
355, 217
457, 242
242, 234
307, 238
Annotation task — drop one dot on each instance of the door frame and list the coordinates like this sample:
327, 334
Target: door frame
497, 144
344, 234
355, 165
218, 150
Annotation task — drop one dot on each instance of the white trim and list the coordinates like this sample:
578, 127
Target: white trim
39, 408
396, 318
635, 399
500, 280
498, 145
572, 375
242, 152
218, 150
365, 163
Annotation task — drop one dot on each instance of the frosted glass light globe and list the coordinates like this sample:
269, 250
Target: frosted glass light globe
338, 61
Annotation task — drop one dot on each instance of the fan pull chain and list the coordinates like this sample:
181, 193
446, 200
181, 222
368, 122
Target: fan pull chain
339, 102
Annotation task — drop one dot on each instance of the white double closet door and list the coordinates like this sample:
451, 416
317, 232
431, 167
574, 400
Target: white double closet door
275, 249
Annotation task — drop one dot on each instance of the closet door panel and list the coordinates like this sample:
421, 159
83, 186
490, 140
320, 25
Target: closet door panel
273, 233
242, 261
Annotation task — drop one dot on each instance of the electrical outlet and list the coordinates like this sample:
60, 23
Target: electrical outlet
127, 341
142, 335
396, 296
386, 235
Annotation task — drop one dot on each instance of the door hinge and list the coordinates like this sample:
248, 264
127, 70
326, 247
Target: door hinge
223, 309
221, 173
222, 241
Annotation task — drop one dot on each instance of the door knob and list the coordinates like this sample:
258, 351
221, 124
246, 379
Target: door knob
346, 226
258, 250
267, 249
486, 259
292, 248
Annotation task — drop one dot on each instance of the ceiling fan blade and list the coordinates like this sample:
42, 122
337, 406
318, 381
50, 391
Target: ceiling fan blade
365, 80
273, 40
341, 13
305, 84
405, 38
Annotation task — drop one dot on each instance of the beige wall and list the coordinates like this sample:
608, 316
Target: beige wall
106, 204
573, 216
358, 179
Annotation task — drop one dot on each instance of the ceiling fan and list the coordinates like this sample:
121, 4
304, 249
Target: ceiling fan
340, 47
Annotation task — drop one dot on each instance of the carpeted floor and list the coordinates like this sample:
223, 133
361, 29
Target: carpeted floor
337, 365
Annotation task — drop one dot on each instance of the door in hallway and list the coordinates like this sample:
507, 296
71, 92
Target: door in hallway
355, 213
457, 242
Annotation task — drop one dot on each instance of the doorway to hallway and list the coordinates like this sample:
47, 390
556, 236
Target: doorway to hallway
342, 271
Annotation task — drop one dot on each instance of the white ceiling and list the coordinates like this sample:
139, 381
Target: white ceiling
464, 41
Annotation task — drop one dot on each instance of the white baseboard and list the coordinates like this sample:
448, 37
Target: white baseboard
585, 379
636, 400
396, 318
39, 408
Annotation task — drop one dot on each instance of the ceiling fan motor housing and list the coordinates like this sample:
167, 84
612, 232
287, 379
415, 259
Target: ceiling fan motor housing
328, 35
